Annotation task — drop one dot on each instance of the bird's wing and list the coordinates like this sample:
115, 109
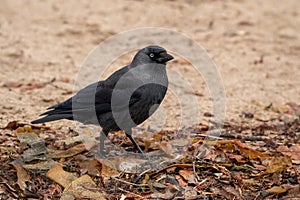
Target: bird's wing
97, 96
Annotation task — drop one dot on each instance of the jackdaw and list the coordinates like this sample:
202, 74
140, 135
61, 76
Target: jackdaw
124, 100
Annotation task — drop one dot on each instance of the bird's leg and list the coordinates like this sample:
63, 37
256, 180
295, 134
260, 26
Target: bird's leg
103, 135
129, 135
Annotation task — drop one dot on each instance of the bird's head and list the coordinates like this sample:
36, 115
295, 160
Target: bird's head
152, 54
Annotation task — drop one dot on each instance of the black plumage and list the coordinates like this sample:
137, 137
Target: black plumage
122, 101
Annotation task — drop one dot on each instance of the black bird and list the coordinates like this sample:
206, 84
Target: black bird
124, 100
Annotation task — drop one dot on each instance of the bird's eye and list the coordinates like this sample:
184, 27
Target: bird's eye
151, 55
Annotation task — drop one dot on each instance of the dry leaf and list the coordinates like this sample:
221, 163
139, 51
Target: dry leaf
183, 62
292, 190
15, 124
159, 185
146, 179
93, 166
58, 175
188, 176
259, 167
11, 125
27, 137
83, 188
167, 148
23, 177
276, 190
130, 165
67, 153
45, 165
279, 164
181, 181
169, 193
36, 85
12, 84
252, 154
293, 151
108, 169
238, 158
294, 107
88, 137
171, 170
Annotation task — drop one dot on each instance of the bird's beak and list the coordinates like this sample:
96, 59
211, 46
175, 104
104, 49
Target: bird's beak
164, 57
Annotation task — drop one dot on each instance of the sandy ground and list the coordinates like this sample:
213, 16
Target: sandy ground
255, 45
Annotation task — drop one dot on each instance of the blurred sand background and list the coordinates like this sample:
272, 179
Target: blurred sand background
255, 45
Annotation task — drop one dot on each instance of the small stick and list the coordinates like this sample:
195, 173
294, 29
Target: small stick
129, 183
130, 193
194, 170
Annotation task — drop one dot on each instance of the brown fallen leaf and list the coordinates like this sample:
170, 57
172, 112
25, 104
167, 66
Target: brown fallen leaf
130, 165
277, 164
27, 137
88, 137
12, 84
23, 177
190, 193
58, 175
234, 192
252, 154
295, 108
15, 124
67, 153
238, 158
36, 85
293, 152
259, 167
231, 145
109, 169
183, 62
276, 190
11, 125
169, 193
83, 188
171, 170
38, 147
180, 180
166, 148
158, 185
188, 176
146, 179
44, 165
93, 166
292, 190
229, 192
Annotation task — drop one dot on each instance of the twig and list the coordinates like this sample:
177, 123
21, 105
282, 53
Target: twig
129, 183
144, 172
130, 193
194, 170
199, 184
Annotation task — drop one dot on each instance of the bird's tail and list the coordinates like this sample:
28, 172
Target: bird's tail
53, 115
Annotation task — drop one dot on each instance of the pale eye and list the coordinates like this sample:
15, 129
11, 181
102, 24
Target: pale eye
151, 55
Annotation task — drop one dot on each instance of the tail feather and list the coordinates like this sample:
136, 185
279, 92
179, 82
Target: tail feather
56, 111
55, 117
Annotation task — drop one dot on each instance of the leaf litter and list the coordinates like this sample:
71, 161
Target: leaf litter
243, 161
